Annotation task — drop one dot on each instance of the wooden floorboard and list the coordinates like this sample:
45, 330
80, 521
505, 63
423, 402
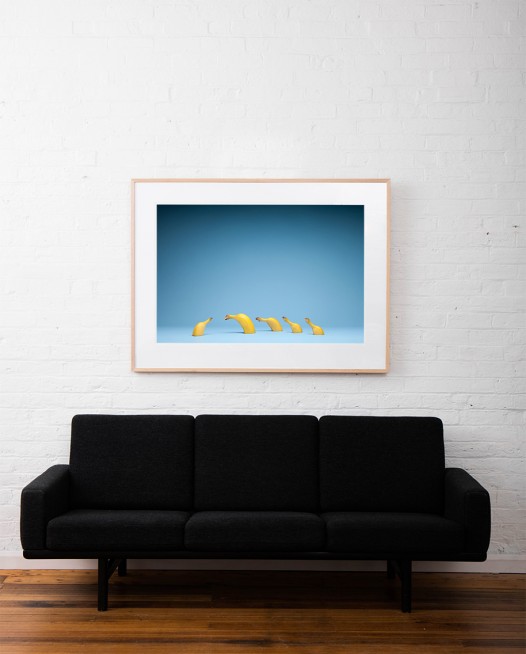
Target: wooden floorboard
242, 612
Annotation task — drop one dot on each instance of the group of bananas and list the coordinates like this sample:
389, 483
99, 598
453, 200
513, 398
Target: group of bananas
249, 328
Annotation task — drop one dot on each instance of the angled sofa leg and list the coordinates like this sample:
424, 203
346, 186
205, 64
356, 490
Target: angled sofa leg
102, 604
106, 568
405, 567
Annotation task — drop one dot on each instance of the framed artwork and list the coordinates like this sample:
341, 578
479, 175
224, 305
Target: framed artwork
257, 275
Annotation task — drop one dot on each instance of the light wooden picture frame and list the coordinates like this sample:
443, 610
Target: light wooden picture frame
249, 253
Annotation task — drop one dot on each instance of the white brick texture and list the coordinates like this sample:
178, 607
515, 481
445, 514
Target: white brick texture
427, 92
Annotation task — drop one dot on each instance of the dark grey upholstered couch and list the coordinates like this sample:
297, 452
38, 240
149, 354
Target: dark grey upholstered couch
255, 487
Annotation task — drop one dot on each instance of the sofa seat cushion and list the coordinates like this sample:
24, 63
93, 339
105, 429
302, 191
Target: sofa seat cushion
255, 531
392, 532
102, 529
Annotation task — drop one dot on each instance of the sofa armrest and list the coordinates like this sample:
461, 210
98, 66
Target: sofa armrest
468, 503
42, 499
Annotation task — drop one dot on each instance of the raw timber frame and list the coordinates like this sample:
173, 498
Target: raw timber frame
151, 355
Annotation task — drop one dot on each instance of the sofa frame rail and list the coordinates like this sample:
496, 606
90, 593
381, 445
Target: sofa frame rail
109, 562
107, 566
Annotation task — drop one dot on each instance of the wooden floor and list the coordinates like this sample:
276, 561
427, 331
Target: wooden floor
53, 612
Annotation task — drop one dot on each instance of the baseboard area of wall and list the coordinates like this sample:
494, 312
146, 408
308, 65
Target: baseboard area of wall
495, 564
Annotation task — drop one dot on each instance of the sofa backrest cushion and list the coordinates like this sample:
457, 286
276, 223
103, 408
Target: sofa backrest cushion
132, 462
256, 463
381, 464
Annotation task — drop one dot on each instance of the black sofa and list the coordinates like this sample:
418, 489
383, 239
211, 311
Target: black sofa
255, 487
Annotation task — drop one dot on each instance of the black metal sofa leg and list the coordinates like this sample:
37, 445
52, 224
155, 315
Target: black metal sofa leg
402, 568
106, 568
102, 604
405, 579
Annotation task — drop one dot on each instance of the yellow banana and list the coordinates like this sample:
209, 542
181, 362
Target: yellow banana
244, 321
296, 329
199, 329
316, 330
273, 323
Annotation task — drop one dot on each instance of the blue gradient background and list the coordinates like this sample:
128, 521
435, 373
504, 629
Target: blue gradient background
262, 260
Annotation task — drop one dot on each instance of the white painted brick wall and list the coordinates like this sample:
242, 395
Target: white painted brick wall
427, 92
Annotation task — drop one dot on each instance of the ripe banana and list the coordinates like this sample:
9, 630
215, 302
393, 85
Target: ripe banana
273, 323
296, 329
316, 330
199, 329
244, 321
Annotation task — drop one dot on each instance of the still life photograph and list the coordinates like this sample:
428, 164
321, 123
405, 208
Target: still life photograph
263, 275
